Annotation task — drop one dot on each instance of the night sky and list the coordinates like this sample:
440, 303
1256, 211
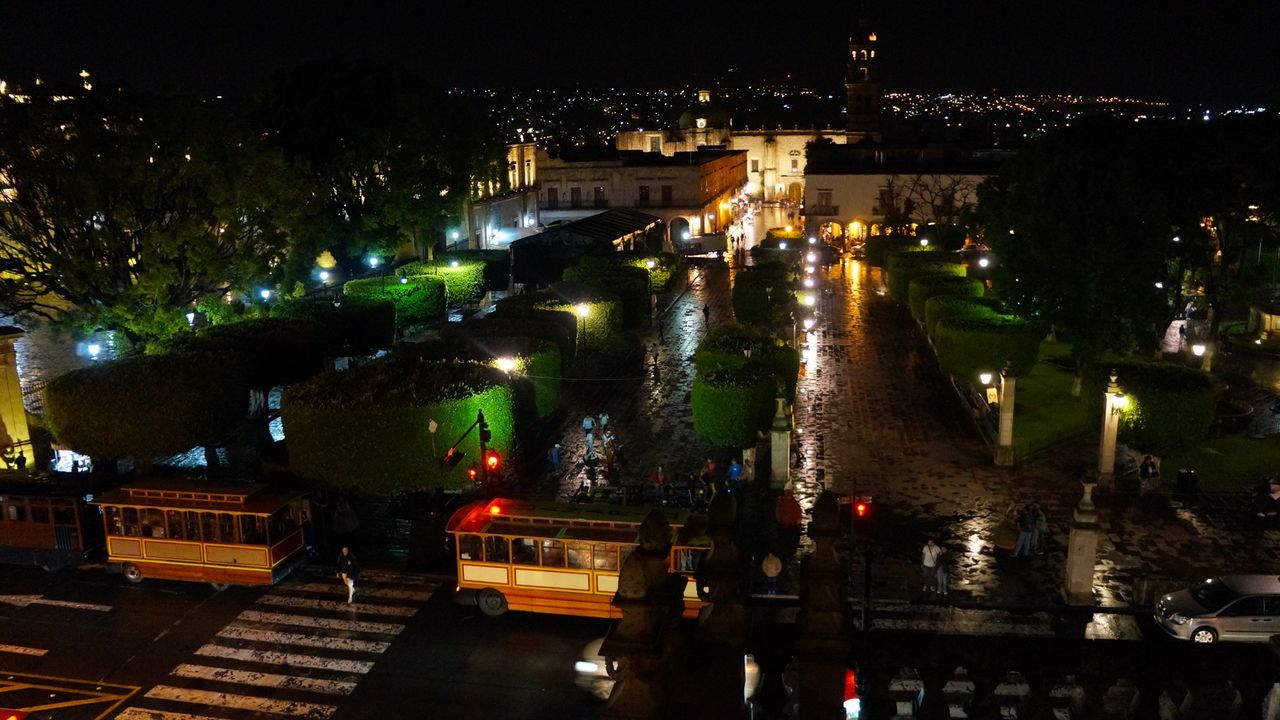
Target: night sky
1218, 52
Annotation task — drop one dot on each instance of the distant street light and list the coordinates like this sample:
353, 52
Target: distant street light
811, 257
985, 378
924, 242
94, 350
506, 364
373, 261
1198, 349
782, 245
813, 240
264, 294
324, 276
191, 319
983, 262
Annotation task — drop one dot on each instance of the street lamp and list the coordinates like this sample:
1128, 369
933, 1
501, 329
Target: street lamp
324, 277
782, 245
94, 350
1198, 349
983, 262
812, 257
1114, 402
583, 311
808, 324
650, 264
924, 242
808, 282
813, 240
506, 364
453, 263
985, 378
373, 262
265, 294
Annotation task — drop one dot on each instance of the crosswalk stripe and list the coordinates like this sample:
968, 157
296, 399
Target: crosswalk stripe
314, 711
20, 650
402, 579
245, 677
268, 657
239, 632
340, 589
133, 713
327, 623
360, 608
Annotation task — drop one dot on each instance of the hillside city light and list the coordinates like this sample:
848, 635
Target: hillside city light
264, 294
811, 257
810, 300
1198, 349
985, 378
506, 364
808, 324
983, 262
808, 282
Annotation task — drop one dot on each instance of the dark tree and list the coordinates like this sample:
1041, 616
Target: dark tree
389, 157
118, 211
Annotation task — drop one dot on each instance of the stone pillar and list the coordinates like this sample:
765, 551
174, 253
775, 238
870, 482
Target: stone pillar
15, 437
1114, 400
725, 624
651, 600
907, 692
959, 693
1121, 701
822, 627
1012, 694
1008, 389
780, 447
1067, 699
1082, 550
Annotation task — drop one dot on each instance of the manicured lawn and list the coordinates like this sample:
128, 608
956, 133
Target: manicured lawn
1046, 410
1225, 464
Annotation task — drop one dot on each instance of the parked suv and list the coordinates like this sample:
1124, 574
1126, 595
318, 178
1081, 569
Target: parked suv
1232, 607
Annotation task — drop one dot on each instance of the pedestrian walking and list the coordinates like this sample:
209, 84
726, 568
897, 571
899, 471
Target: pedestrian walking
1026, 524
1041, 532
591, 446
1148, 475
706, 314
653, 352
604, 422
659, 482
735, 476
348, 572
709, 471
943, 567
653, 303
929, 565
553, 457
772, 568
588, 424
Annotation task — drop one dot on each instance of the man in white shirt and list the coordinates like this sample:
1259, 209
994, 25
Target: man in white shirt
929, 565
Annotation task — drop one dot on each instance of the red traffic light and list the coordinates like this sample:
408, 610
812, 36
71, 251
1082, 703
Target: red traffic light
7, 714
861, 509
472, 472
493, 460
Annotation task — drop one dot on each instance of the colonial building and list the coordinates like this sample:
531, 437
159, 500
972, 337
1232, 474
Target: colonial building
690, 191
496, 213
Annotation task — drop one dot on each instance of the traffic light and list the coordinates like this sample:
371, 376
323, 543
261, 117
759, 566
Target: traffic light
492, 460
472, 472
485, 435
452, 458
862, 509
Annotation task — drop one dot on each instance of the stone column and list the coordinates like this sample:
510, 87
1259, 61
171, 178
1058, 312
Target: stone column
822, 627
780, 447
1082, 550
1114, 400
725, 624
651, 600
1008, 388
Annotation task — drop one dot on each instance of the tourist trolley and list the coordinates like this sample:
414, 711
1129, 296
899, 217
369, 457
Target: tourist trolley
221, 533
47, 522
561, 558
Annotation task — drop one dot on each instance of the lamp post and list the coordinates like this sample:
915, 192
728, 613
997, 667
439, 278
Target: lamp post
1004, 437
583, 311
1114, 402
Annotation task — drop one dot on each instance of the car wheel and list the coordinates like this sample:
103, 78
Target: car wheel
1204, 635
491, 602
132, 573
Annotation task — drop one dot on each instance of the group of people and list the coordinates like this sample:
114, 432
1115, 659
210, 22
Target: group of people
700, 487
604, 446
1032, 526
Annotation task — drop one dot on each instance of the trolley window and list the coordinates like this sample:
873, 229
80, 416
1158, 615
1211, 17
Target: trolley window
64, 512
579, 554
173, 522
130, 520
191, 524
15, 510
40, 511
469, 547
552, 553
496, 549
227, 528
209, 521
524, 551
253, 530
282, 524
605, 556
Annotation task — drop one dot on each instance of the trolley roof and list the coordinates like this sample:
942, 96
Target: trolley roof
571, 521
198, 495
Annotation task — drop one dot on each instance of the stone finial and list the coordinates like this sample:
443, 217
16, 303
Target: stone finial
826, 515
655, 532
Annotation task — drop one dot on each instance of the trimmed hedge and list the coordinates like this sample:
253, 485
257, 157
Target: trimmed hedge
879, 248
660, 277
726, 346
146, 406
730, 406
604, 316
367, 427
940, 307
361, 325
752, 302
630, 284
463, 283
216, 311
924, 287
1171, 407
558, 328
967, 346
267, 351
907, 265
497, 265
419, 299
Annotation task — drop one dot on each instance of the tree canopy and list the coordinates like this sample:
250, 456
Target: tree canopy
120, 210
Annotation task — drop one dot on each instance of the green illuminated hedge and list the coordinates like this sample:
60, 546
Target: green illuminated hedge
752, 302
907, 265
267, 351
146, 406
1171, 407
358, 325
419, 299
538, 367
497, 265
216, 311
879, 248
604, 310
630, 284
463, 283
366, 427
660, 277
726, 346
731, 406
558, 328
940, 307
967, 346
923, 287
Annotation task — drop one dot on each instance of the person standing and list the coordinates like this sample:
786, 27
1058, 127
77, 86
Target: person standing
709, 470
604, 422
348, 571
1026, 524
653, 352
659, 482
591, 447
706, 314
772, 568
929, 565
735, 476
943, 564
588, 424
1148, 474
553, 456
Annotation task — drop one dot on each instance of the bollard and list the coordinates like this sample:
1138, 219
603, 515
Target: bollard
1121, 700
907, 692
1067, 699
959, 692
1012, 695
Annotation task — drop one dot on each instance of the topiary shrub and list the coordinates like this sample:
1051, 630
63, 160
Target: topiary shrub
146, 406
925, 286
267, 351
604, 310
879, 248
359, 325
367, 427
730, 406
726, 347
753, 302
939, 307
630, 284
661, 276
420, 298
1170, 407
907, 265
497, 265
967, 346
463, 279
558, 328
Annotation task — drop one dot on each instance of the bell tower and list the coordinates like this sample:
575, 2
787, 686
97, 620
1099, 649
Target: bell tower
862, 85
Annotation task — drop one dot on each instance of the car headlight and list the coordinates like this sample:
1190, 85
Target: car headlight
1177, 619
589, 668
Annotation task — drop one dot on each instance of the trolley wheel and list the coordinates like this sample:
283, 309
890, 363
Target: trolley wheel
132, 573
219, 587
491, 602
